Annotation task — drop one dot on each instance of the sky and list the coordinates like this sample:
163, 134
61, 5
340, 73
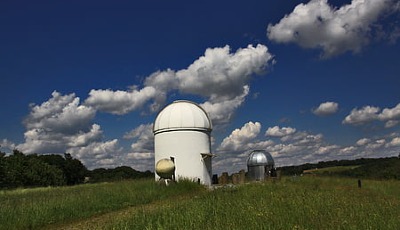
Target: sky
307, 81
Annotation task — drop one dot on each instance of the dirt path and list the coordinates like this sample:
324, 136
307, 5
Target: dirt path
99, 221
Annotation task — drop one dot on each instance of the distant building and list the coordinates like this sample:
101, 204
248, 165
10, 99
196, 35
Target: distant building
182, 132
260, 165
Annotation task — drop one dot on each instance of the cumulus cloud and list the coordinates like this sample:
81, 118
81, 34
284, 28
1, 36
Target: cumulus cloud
326, 108
143, 136
142, 149
99, 154
363, 141
327, 149
370, 113
276, 131
83, 138
394, 142
61, 124
239, 138
348, 150
362, 116
7, 145
390, 114
376, 144
58, 123
61, 113
317, 24
223, 111
119, 102
219, 75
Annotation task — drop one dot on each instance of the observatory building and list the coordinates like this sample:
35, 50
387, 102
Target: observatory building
182, 135
260, 165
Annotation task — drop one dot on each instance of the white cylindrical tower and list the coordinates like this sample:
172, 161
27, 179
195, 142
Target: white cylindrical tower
182, 133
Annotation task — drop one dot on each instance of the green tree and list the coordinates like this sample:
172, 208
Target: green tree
2, 169
21, 170
74, 170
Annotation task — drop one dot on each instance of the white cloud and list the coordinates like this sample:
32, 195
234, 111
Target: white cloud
370, 113
84, 138
239, 138
327, 149
144, 138
260, 144
220, 76
362, 116
376, 144
390, 114
222, 112
394, 142
98, 154
217, 73
391, 123
141, 154
60, 114
119, 102
326, 108
7, 145
276, 131
348, 150
363, 141
57, 124
61, 125
316, 24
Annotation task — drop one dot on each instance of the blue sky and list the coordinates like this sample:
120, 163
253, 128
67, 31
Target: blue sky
306, 80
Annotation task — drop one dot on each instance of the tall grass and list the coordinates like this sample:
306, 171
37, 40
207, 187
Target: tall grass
34, 208
292, 203
301, 203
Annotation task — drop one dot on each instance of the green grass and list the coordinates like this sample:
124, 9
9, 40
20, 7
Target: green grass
303, 203
291, 203
34, 208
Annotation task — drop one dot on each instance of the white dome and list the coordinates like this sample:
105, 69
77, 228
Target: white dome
182, 115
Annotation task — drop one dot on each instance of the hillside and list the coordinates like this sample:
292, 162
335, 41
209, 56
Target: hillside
372, 168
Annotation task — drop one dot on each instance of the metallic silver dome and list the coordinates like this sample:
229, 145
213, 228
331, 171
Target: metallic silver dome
260, 158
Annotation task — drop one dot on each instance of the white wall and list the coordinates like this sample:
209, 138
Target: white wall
186, 147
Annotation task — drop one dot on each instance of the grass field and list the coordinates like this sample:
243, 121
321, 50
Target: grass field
330, 170
291, 203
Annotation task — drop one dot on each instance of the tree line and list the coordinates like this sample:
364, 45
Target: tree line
36, 170
373, 168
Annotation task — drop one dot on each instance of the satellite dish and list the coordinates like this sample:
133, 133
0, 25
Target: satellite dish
165, 168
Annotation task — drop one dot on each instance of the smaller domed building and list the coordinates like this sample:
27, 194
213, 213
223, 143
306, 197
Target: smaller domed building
260, 165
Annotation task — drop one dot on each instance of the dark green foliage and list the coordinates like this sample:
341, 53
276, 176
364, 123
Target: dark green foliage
21, 170
119, 173
2, 169
33, 170
74, 171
